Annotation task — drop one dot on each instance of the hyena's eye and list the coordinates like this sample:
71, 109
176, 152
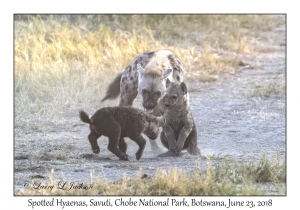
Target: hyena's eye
158, 94
174, 97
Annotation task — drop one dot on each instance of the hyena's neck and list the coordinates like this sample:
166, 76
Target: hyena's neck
180, 109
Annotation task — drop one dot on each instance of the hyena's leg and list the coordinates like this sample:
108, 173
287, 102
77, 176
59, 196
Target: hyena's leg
165, 142
170, 136
127, 98
128, 89
182, 137
122, 145
93, 136
114, 138
191, 146
139, 139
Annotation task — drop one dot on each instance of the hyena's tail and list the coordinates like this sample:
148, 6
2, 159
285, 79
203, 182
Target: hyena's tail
113, 89
84, 117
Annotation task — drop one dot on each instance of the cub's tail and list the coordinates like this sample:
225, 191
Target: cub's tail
84, 117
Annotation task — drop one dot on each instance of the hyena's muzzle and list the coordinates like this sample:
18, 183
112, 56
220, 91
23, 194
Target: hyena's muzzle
152, 88
150, 100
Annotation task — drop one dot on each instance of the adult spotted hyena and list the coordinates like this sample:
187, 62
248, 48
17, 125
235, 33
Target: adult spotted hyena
147, 76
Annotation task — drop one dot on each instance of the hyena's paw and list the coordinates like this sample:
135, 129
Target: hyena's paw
178, 149
138, 155
172, 148
97, 150
196, 152
124, 157
170, 154
193, 151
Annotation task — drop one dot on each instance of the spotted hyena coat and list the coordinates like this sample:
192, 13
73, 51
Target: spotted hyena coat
154, 65
146, 75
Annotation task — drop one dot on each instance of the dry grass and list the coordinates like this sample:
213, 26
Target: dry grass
228, 178
64, 62
267, 88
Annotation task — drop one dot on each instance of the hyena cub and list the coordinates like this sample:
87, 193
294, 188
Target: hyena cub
179, 131
116, 123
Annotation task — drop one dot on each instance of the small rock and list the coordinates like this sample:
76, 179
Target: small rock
37, 177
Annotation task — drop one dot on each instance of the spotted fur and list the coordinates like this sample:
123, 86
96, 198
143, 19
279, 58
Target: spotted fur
154, 65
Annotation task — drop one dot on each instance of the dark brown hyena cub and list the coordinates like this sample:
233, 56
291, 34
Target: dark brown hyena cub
179, 131
119, 122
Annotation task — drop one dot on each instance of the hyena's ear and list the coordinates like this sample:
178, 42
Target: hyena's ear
183, 88
168, 83
167, 73
140, 69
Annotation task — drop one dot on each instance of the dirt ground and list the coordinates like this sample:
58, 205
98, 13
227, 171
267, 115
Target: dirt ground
231, 121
